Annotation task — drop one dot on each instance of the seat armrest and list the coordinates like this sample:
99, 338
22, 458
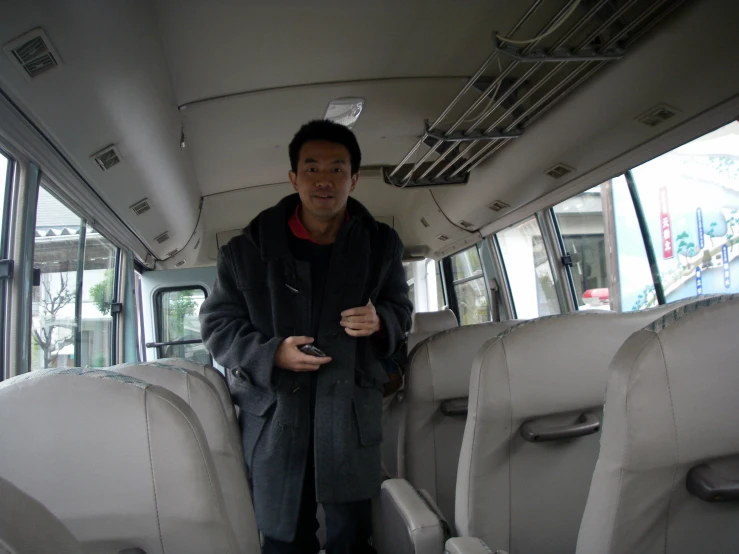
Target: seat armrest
468, 545
403, 523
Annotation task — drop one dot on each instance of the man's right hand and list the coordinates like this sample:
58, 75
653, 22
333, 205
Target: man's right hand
289, 357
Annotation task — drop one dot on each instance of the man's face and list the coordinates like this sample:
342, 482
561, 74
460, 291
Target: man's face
324, 178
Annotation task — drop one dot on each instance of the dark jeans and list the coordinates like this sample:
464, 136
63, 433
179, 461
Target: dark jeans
348, 525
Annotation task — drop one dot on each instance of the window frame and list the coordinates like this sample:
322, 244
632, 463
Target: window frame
10, 174
159, 312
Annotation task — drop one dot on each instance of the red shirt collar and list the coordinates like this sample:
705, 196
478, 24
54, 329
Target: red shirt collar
297, 227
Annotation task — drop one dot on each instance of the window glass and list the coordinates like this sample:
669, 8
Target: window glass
56, 255
470, 287
466, 264
590, 240
178, 321
690, 198
96, 346
424, 284
528, 270
580, 221
635, 287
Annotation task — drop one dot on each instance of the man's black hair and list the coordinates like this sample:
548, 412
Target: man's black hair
323, 129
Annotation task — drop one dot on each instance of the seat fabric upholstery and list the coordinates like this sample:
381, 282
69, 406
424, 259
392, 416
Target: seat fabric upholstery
220, 433
122, 463
671, 404
530, 496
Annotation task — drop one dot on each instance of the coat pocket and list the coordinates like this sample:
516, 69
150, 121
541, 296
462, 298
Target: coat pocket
368, 410
254, 411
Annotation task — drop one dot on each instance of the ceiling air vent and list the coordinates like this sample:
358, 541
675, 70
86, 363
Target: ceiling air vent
180, 263
657, 115
164, 237
559, 170
498, 205
442, 238
141, 207
466, 224
107, 158
424, 222
196, 245
172, 253
33, 53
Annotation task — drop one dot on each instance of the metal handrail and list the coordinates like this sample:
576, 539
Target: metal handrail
173, 343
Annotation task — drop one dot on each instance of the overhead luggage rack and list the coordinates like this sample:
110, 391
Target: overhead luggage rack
532, 75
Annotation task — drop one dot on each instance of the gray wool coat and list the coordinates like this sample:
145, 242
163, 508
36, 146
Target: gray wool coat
261, 296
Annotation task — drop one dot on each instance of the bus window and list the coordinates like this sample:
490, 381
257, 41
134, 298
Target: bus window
528, 270
690, 199
470, 287
424, 285
177, 320
68, 329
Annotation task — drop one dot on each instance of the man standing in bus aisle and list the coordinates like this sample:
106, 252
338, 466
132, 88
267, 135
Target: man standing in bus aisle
314, 271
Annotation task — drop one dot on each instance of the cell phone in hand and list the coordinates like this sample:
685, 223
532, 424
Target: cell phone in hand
312, 351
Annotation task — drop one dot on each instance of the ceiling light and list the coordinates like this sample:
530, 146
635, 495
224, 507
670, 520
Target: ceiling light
344, 111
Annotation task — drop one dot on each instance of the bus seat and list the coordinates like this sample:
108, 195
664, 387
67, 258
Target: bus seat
532, 434
666, 477
426, 324
215, 378
27, 527
122, 463
228, 458
433, 409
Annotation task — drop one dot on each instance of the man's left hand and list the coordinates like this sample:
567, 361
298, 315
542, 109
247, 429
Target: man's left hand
361, 322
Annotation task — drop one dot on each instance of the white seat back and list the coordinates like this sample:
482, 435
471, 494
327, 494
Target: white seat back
27, 527
671, 405
426, 324
434, 408
224, 444
213, 376
528, 494
122, 463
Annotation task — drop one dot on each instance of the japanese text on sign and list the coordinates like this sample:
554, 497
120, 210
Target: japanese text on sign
727, 268
665, 226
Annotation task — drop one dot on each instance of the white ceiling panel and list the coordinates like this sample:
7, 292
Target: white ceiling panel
243, 140
217, 48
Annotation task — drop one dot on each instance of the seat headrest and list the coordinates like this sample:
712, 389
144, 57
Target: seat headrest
427, 324
559, 363
215, 377
440, 365
433, 322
